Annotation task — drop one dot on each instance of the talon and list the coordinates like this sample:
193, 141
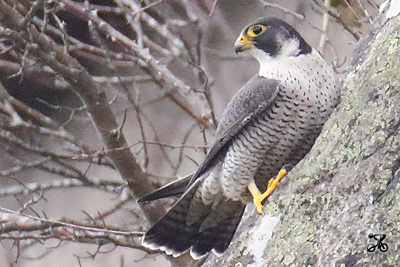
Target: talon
258, 197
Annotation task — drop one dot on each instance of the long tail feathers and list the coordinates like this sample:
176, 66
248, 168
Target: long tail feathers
212, 231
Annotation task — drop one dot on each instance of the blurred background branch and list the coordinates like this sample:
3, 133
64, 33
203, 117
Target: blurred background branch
102, 101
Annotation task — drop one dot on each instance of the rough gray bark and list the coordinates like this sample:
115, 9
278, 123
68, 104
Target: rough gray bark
347, 187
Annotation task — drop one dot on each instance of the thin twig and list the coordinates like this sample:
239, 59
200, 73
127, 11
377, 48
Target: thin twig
213, 7
325, 23
285, 10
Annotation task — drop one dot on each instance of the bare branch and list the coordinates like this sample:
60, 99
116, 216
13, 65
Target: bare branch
184, 96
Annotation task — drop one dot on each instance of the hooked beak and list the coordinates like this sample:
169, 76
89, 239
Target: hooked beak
242, 43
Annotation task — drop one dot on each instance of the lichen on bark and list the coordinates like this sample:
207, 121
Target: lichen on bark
347, 186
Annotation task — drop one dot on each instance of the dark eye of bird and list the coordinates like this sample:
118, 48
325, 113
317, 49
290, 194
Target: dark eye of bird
257, 29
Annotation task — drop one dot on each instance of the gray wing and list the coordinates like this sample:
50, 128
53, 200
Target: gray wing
251, 100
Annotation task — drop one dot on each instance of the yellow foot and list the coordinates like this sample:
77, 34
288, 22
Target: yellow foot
272, 184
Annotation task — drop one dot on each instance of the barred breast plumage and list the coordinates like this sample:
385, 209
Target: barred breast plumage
286, 131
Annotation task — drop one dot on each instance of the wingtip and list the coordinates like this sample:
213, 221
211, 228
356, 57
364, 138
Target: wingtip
173, 188
142, 199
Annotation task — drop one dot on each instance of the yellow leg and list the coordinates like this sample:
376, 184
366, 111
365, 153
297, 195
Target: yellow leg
258, 197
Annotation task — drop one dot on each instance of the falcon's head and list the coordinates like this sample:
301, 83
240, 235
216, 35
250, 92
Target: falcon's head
272, 37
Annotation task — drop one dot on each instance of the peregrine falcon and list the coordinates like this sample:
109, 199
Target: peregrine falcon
271, 122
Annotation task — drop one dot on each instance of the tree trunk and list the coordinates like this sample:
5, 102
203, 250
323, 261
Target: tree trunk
347, 187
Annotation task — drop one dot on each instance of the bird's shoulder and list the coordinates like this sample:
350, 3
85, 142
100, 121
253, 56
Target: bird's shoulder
254, 97
251, 100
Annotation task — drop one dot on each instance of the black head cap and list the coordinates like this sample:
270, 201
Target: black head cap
271, 34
